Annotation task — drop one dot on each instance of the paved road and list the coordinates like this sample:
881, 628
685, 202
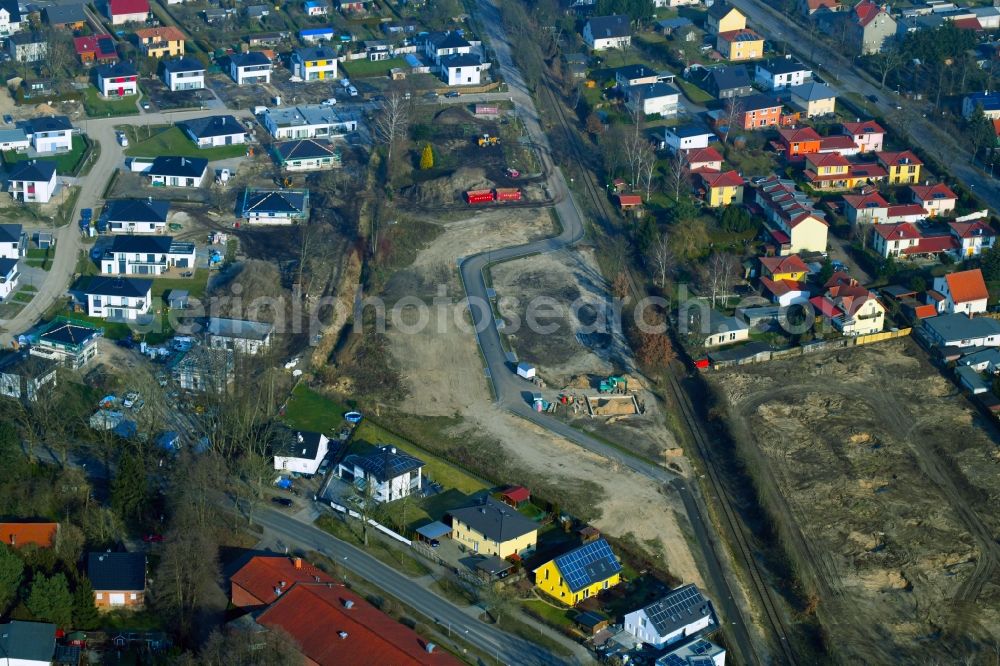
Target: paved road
68, 239
922, 131
506, 648
512, 392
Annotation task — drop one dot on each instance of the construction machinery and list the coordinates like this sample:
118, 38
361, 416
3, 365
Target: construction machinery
614, 384
487, 140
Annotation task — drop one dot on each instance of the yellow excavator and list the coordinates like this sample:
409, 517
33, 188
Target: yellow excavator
487, 140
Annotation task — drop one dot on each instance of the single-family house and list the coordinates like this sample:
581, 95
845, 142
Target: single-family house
27, 643
793, 223
462, 69
264, 578
653, 99
215, 16
164, 40
18, 535
95, 48
204, 370
973, 238
936, 199
784, 293
239, 335
676, 25
308, 121
989, 101
721, 188
961, 330
702, 652
274, 206
790, 267
352, 6
213, 131
686, 137
723, 81
964, 292
810, 7
867, 135
893, 240
849, 307
146, 255
65, 17
866, 208
723, 17
814, 99
300, 452
127, 11
252, 67
703, 159
757, 111
314, 63
136, 216
971, 380
32, 181
115, 298
10, 17
903, 166
68, 342
985, 360
440, 44
493, 528
579, 574
117, 79
118, 579
172, 171
257, 12
307, 155
833, 171
720, 329
9, 278
797, 142
315, 8
13, 241
781, 73
378, 49
740, 45
389, 473
23, 376
681, 613
864, 29
313, 35
183, 74
634, 75
608, 32
50, 134
27, 47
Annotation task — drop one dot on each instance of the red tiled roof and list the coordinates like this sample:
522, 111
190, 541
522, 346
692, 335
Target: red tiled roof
164, 33
101, 46
330, 634
799, 134
702, 155
790, 264
737, 35
971, 229
863, 127
128, 7
780, 237
839, 279
932, 245
827, 160
262, 574
996, 126
970, 23
928, 192
799, 219
832, 5
859, 201
629, 200
21, 534
825, 306
866, 11
966, 286
517, 494
721, 178
837, 142
895, 232
905, 210
781, 287
896, 159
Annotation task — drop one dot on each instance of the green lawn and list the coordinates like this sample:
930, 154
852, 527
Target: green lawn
40, 258
561, 618
195, 286
171, 140
392, 555
21, 296
693, 92
364, 68
98, 107
308, 410
66, 163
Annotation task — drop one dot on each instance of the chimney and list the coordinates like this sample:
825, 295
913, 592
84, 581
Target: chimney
348, 604
342, 634
297, 561
430, 648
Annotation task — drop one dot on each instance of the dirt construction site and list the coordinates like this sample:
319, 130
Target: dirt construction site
884, 482
445, 375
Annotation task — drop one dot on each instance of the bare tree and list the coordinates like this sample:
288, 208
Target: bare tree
661, 257
391, 122
861, 234
888, 60
734, 110
719, 274
647, 167
677, 173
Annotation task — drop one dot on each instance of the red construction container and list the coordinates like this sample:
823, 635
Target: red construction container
508, 194
702, 363
479, 196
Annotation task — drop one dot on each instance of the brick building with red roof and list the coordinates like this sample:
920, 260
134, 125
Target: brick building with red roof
265, 577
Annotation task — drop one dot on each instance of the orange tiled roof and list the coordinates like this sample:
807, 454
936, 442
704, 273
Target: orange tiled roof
263, 573
937, 192
790, 264
20, 534
896, 159
966, 286
165, 33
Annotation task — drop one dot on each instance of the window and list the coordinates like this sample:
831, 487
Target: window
133, 596
98, 595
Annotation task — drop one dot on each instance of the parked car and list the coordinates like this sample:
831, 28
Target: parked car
431, 95
873, 99
453, 94
130, 399
282, 501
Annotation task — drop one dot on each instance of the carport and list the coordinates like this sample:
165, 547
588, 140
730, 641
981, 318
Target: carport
433, 531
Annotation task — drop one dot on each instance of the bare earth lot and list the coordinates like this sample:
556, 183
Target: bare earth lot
886, 484
444, 371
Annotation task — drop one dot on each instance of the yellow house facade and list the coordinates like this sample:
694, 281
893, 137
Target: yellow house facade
903, 167
808, 234
493, 528
722, 188
785, 268
161, 42
724, 19
579, 574
740, 45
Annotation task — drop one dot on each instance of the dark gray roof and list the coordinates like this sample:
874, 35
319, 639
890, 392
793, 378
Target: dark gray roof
204, 128
719, 9
955, 327
758, 101
169, 165
812, 91
678, 609
674, 23
653, 90
28, 38
10, 233
137, 210
115, 286
49, 124
590, 563
271, 201
250, 58
69, 334
304, 149
460, 60
12, 9
7, 266
297, 444
635, 72
687, 131
24, 364
238, 328
495, 520
384, 463
729, 77
782, 66
60, 14
447, 40
315, 53
602, 27
117, 571
183, 64
32, 171
28, 641
116, 69
130, 243
493, 565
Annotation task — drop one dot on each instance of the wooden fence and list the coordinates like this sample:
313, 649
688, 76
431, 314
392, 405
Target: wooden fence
812, 348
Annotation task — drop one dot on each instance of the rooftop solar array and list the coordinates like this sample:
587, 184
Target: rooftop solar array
588, 564
677, 608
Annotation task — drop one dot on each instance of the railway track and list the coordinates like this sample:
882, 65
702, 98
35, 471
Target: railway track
732, 523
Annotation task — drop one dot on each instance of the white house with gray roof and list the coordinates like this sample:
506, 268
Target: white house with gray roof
27, 643
682, 613
247, 337
307, 121
14, 139
608, 32
392, 474
215, 131
960, 330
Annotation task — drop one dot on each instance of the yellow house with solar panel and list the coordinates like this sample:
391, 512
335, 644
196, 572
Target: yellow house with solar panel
580, 574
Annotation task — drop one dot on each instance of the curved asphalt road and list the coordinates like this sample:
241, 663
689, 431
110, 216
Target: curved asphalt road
512, 392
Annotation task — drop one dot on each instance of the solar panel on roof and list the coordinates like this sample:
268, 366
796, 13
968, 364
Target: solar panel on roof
587, 564
673, 660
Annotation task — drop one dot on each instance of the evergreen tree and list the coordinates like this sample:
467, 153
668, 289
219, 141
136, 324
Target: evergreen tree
51, 601
427, 158
11, 574
130, 488
85, 614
